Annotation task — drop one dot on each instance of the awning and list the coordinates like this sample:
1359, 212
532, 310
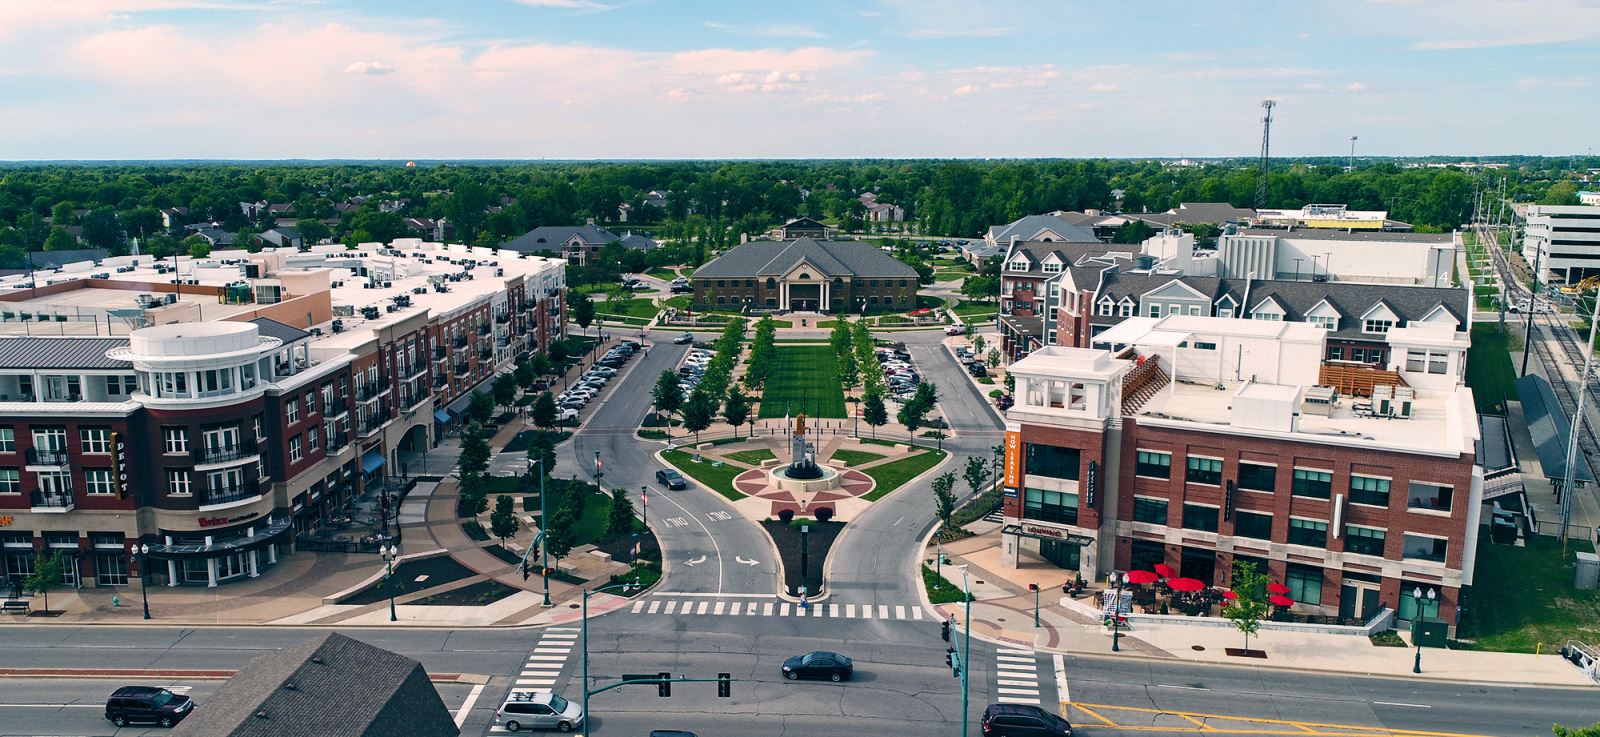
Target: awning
442, 417
267, 532
460, 405
372, 461
1547, 424
1040, 532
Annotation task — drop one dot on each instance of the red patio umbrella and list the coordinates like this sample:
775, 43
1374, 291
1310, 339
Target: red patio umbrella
1277, 588
1165, 571
1230, 596
1186, 585
1142, 577
1281, 600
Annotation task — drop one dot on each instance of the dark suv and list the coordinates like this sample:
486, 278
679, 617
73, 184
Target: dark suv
1022, 720
147, 704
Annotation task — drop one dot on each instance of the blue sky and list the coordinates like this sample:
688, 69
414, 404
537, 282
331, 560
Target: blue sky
824, 78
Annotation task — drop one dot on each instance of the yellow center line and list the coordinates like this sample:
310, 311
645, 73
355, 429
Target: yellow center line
1091, 712
1289, 726
1202, 725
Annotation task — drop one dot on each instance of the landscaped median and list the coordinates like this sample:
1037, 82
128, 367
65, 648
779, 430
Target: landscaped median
894, 474
715, 475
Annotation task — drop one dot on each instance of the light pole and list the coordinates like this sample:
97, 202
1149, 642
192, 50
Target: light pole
140, 554
966, 647
1035, 589
626, 587
938, 565
1116, 611
389, 553
544, 538
1416, 593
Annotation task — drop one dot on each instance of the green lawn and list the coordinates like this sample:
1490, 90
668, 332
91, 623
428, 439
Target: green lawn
662, 274
1489, 369
592, 524
968, 307
1523, 597
643, 309
753, 457
718, 478
893, 475
939, 590
805, 378
855, 457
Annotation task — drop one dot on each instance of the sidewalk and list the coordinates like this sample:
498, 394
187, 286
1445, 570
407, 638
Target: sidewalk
1003, 612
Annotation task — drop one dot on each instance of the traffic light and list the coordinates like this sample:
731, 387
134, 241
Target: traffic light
1033, 587
953, 659
724, 685
944, 630
525, 571
664, 688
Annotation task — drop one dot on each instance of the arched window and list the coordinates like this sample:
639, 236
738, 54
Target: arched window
838, 283
804, 276
772, 283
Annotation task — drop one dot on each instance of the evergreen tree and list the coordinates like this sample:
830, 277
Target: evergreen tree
544, 410
619, 518
873, 411
503, 521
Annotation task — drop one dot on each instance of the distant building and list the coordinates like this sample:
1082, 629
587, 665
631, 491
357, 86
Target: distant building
803, 228
1565, 240
804, 274
331, 685
1426, 259
1196, 213
1040, 228
172, 217
883, 212
578, 244
1338, 217
282, 237
429, 229
1589, 198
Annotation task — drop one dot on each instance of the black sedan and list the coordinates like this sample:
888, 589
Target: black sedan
670, 479
819, 664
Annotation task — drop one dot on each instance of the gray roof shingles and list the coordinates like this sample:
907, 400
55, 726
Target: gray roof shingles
832, 258
271, 328
1027, 227
29, 352
554, 237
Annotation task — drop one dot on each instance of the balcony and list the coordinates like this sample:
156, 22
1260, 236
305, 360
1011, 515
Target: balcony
462, 369
461, 341
483, 329
415, 400
225, 453
374, 423
336, 442
229, 495
440, 380
439, 353
502, 317
414, 370
48, 457
58, 500
502, 340
485, 353
367, 392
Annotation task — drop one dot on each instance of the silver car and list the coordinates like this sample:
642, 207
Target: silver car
538, 711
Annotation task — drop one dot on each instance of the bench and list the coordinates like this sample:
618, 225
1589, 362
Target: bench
15, 606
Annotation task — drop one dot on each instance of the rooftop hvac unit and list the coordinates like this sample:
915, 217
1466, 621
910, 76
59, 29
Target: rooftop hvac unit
389, 308
252, 271
338, 326
499, 272
316, 332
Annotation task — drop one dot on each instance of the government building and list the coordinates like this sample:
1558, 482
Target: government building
805, 275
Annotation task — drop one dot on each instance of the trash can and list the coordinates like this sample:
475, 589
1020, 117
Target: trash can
1587, 572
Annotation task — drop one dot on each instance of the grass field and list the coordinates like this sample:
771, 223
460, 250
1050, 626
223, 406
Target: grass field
1489, 369
718, 478
855, 457
643, 309
1522, 597
753, 457
891, 476
662, 274
968, 307
805, 378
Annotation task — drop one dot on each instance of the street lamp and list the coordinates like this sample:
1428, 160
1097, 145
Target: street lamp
544, 530
1035, 589
1416, 593
966, 647
389, 553
140, 555
1119, 579
626, 586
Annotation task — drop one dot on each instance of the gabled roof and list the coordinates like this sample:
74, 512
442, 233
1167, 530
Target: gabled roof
806, 223
638, 242
34, 352
831, 258
1269, 304
555, 237
270, 328
1196, 213
1032, 227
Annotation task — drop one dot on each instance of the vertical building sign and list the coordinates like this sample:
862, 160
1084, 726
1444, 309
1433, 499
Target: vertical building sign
1013, 479
119, 465
1091, 483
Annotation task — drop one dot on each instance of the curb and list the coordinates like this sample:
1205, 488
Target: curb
183, 674
689, 478
374, 578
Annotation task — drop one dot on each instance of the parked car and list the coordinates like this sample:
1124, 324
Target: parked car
818, 664
1004, 402
567, 415
538, 711
605, 371
671, 733
977, 369
681, 280
682, 289
641, 287
684, 339
147, 704
671, 479
1023, 720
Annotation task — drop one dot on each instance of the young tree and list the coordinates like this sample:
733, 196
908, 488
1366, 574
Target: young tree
976, 473
667, 395
559, 535
994, 358
912, 413
46, 575
873, 412
542, 451
544, 410
736, 409
1247, 611
504, 390
698, 413
313, 231
197, 250
977, 344
473, 468
480, 408
944, 500
503, 521
582, 310
541, 364
619, 518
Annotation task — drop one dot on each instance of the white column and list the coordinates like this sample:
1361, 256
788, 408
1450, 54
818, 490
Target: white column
272, 554
254, 572
172, 573
211, 573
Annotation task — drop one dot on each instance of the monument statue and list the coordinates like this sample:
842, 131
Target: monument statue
802, 455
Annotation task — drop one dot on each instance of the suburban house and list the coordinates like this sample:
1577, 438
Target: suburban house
429, 229
282, 237
805, 274
1041, 228
576, 243
803, 228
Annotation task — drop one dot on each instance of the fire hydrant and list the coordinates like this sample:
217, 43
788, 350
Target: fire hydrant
116, 601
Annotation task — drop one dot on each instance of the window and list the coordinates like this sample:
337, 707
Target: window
95, 440
311, 403
1153, 464
313, 438
291, 410
294, 449
1125, 309
10, 481
1155, 311
1308, 532
1050, 506
1422, 547
1147, 509
111, 569
1224, 312
1305, 584
98, 481
1433, 362
1052, 268
1252, 524
1424, 495
177, 482
1377, 327
1409, 604
1204, 346
1052, 461
8, 440
1335, 354
1266, 316
1314, 484
1204, 471
1018, 265
175, 439
1324, 321
52, 439
1103, 308
1363, 540
1200, 517
255, 423
1369, 490
1258, 477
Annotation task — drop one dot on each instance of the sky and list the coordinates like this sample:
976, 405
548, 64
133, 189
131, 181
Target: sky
584, 79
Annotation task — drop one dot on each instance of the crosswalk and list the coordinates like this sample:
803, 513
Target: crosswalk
669, 606
1016, 675
547, 659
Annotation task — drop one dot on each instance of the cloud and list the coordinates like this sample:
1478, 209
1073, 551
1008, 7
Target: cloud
772, 31
1355, 87
20, 16
965, 90
1103, 87
1530, 83
369, 68
566, 4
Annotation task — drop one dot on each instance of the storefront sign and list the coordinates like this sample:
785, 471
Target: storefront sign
1050, 532
220, 521
119, 465
1013, 459
1012, 492
1090, 483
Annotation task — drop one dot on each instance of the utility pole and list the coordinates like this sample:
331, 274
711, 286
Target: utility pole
1569, 481
1352, 166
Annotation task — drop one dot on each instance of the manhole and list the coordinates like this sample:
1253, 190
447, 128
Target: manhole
572, 606
980, 583
1197, 648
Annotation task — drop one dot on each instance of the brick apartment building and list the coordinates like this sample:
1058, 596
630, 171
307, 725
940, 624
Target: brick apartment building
1197, 441
215, 409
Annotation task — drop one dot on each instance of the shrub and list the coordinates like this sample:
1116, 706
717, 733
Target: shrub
824, 514
786, 516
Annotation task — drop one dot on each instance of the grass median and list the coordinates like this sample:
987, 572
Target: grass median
805, 378
714, 475
891, 476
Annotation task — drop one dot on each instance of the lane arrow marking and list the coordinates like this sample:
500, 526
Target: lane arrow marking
741, 560
696, 561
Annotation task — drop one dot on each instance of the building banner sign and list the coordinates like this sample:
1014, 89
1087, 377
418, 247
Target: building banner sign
119, 465
1012, 492
1091, 483
1013, 458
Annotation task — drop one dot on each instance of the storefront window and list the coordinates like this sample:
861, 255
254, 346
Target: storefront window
1052, 461
1146, 509
1305, 584
1410, 608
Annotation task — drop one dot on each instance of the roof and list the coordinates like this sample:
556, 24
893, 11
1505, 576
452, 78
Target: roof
832, 258
332, 685
1494, 447
43, 259
1333, 234
1548, 425
1030, 227
638, 242
30, 352
805, 223
1198, 213
552, 237
270, 328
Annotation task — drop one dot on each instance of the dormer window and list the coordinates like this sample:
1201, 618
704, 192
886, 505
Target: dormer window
1052, 268
1018, 265
1268, 316
1103, 307
1376, 326
1325, 322
1125, 309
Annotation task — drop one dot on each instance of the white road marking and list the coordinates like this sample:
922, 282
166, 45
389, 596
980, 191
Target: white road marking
899, 612
637, 606
670, 606
1014, 659
1186, 688
849, 611
1061, 677
562, 650
719, 607
883, 611
1015, 700
783, 609
655, 606
916, 612
833, 610
540, 673
719, 516
1018, 691
1015, 682
1396, 703
702, 607
536, 681
563, 629
714, 546
1012, 651
766, 609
